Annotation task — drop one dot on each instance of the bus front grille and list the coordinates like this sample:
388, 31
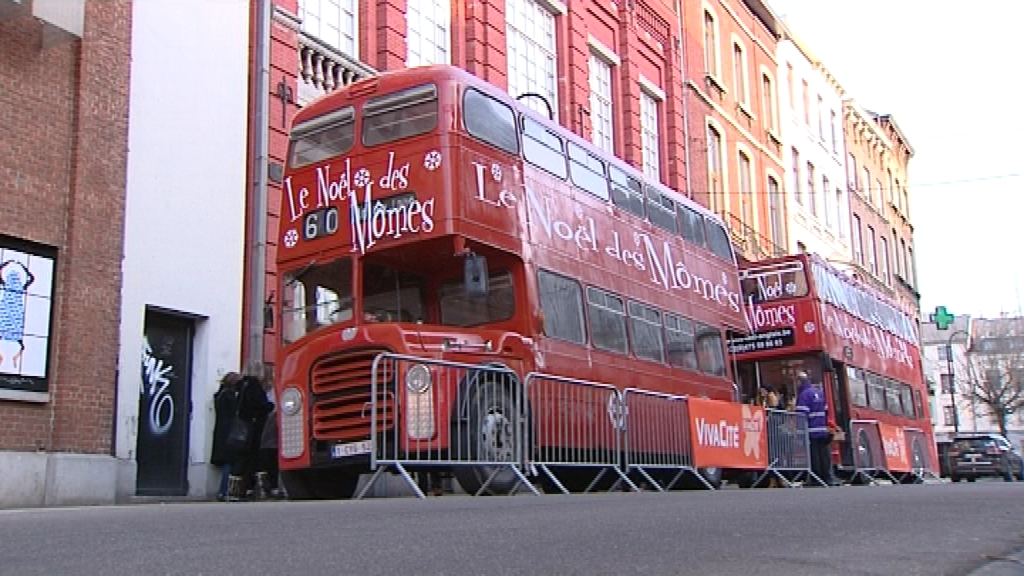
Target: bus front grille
341, 386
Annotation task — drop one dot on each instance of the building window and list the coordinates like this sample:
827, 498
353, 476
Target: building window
807, 104
716, 175
812, 200
739, 74
710, 44
884, 257
649, 136
746, 194
892, 191
946, 355
906, 206
949, 416
872, 251
835, 141
898, 260
789, 83
858, 241
826, 200
26, 283
774, 215
796, 177
333, 22
768, 102
881, 192
532, 65
429, 24
821, 119
601, 125
903, 247
840, 213
851, 171
867, 186
910, 266
947, 383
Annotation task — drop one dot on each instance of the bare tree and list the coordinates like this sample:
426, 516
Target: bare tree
994, 374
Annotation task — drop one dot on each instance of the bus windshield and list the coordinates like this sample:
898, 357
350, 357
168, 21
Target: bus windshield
774, 282
315, 296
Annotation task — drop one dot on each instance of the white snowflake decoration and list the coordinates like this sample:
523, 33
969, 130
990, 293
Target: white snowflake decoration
432, 161
362, 178
291, 238
496, 172
809, 327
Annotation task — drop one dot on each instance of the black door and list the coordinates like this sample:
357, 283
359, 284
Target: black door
164, 405
841, 402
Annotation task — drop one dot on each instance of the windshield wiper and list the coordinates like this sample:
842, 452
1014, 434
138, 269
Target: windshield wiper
305, 270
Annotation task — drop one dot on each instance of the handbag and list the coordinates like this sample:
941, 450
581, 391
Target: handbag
238, 435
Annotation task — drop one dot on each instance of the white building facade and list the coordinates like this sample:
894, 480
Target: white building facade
184, 238
811, 123
944, 356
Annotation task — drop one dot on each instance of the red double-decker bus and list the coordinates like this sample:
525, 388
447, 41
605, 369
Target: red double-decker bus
427, 213
808, 316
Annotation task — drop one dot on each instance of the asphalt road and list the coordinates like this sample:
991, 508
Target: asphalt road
931, 529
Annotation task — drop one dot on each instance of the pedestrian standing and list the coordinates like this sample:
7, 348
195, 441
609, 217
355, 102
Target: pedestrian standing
811, 401
225, 404
253, 407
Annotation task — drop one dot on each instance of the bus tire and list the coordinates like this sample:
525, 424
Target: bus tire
489, 433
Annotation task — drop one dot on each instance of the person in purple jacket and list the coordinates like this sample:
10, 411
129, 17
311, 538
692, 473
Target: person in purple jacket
810, 400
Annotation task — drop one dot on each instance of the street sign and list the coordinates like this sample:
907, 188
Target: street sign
943, 319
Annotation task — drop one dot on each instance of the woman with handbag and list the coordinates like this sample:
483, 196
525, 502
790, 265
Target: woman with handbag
246, 432
225, 404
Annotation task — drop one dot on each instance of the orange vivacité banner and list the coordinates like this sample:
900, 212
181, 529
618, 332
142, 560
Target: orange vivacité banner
894, 445
727, 435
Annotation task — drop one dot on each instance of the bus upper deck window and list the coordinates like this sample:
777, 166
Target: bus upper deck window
718, 240
403, 114
490, 120
322, 138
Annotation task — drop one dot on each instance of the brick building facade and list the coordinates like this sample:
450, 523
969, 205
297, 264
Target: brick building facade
881, 235
733, 120
64, 120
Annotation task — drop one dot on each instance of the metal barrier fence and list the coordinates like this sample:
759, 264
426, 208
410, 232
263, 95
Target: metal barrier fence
869, 460
577, 429
789, 449
481, 433
657, 438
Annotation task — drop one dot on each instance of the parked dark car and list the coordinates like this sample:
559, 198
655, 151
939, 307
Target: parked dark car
973, 456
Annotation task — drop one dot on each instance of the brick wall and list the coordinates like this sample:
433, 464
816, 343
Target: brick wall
64, 116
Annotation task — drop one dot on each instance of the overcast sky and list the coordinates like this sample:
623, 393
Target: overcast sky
953, 82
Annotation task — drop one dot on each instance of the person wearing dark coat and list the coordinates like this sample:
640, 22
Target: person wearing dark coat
225, 402
253, 408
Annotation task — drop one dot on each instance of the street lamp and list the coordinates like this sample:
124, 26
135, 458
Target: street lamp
952, 379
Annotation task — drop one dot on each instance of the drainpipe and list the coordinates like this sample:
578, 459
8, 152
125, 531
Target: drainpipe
686, 99
258, 204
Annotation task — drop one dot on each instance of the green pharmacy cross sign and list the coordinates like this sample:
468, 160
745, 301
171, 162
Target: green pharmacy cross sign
942, 318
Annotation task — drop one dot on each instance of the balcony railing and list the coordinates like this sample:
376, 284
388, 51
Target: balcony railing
323, 69
747, 241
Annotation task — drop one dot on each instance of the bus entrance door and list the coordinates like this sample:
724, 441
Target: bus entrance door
840, 402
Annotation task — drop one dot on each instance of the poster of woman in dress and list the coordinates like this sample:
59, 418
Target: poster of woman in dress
26, 282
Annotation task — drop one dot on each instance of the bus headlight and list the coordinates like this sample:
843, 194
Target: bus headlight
290, 401
418, 379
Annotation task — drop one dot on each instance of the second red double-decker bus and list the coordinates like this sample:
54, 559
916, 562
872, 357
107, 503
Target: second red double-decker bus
807, 316
429, 214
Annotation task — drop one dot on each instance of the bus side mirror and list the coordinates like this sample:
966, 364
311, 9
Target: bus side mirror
475, 274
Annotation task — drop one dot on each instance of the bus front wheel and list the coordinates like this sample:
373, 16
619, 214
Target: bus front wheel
493, 432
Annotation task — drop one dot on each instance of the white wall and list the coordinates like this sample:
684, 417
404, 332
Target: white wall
825, 234
185, 214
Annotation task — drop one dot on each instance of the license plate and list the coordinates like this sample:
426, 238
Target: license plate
351, 449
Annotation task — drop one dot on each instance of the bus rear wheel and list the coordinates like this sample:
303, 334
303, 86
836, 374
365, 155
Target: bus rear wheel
493, 431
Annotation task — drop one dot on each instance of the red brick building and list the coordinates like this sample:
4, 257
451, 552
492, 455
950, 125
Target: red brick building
610, 70
733, 120
64, 119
